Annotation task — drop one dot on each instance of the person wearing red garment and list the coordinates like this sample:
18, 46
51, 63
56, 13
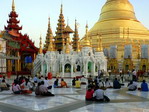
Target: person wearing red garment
89, 94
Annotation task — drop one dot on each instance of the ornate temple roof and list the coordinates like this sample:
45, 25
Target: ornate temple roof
76, 44
68, 29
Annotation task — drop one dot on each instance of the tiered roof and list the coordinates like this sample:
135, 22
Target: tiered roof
59, 38
49, 37
75, 43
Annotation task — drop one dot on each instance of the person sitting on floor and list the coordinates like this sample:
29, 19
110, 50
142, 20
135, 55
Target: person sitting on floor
63, 83
83, 80
132, 86
101, 85
99, 95
89, 94
44, 90
5, 81
16, 88
47, 83
3, 85
56, 83
26, 87
77, 83
107, 83
37, 90
73, 82
144, 86
116, 84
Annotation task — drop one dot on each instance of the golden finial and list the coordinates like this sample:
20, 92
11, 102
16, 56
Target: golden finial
61, 8
40, 44
13, 6
87, 30
49, 22
67, 49
86, 41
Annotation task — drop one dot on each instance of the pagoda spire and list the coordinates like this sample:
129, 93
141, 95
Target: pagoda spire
40, 44
61, 11
49, 36
50, 39
13, 27
60, 39
13, 6
76, 38
86, 42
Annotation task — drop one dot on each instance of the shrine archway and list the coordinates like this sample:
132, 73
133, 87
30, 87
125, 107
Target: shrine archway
67, 68
89, 67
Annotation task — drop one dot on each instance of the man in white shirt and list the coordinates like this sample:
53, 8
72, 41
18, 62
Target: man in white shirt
44, 90
48, 83
99, 95
134, 73
132, 86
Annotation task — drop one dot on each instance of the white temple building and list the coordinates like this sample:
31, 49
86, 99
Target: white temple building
69, 63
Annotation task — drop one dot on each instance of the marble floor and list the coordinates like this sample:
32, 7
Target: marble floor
73, 100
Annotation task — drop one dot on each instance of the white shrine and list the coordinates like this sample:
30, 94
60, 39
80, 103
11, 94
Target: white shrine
69, 63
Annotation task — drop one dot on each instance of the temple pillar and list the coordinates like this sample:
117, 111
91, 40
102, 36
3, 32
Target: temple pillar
17, 63
93, 70
9, 66
86, 69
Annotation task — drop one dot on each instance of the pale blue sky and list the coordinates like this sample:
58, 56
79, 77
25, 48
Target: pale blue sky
33, 14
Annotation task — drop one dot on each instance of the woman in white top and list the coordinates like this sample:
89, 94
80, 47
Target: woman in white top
16, 88
26, 87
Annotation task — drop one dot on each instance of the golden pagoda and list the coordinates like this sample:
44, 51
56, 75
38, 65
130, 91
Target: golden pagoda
60, 40
50, 40
48, 36
118, 24
75, 43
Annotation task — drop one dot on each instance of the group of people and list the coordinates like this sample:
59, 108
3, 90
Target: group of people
96, 94
76, 83
95, 88
23, 85
132, 86
98, 81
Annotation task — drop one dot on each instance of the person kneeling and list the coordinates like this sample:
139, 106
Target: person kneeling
99, 95
44, 90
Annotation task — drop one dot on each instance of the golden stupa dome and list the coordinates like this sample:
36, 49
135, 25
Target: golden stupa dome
85, 43
116, 14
